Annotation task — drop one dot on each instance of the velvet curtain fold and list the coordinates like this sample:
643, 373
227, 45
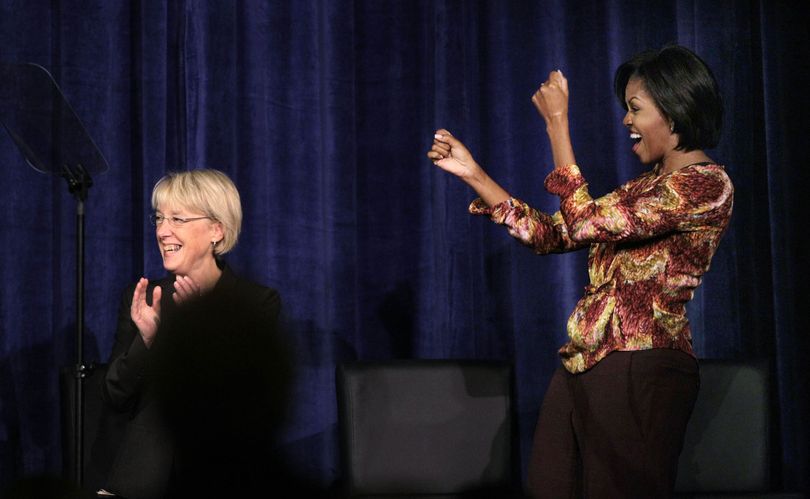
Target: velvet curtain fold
321, 112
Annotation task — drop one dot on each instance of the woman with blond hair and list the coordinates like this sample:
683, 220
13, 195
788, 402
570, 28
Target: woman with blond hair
189, 347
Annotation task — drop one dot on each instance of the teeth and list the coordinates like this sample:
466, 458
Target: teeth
172, 247
635, 136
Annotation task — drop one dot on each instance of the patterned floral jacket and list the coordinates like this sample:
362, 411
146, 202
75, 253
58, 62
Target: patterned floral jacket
650, 241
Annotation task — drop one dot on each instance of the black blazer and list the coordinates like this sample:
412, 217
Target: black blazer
208, 358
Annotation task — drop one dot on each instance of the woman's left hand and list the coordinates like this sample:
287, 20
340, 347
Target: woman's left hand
185, 289
551, 99
449, 154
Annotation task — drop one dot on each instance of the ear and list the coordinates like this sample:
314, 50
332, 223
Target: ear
674, 139
217, 233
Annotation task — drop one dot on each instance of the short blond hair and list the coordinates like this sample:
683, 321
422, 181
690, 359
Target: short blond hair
207, 191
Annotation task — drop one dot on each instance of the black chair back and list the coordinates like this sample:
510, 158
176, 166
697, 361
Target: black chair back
425, 426
727, 449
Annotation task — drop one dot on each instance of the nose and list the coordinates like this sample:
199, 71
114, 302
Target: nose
627, 121
163, 229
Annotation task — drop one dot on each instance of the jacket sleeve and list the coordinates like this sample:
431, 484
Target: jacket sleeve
541, 232
127, 363
693, 198
270, 305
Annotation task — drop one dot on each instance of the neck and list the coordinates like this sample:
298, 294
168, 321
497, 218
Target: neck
679, 159
206, 275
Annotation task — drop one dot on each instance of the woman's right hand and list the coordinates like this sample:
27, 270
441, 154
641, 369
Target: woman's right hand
551, 99
449, 154
146, 317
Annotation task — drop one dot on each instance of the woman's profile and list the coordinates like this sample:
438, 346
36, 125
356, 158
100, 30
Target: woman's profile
613, 418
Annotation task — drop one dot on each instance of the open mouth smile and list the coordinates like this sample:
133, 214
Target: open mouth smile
636, 138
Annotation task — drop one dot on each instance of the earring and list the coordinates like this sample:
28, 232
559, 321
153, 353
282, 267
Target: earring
672, 126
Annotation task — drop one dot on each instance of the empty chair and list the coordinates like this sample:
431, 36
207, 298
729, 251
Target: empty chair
727, 449
422, 427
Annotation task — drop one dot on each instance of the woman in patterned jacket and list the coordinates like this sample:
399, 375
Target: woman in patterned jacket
614, 416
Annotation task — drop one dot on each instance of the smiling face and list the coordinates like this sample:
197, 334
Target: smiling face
187, 250
649, 129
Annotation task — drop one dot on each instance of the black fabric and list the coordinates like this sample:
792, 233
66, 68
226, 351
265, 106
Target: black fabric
425, 427
206, 399
321, 112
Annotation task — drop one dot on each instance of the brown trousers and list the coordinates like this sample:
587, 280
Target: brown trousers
616, 430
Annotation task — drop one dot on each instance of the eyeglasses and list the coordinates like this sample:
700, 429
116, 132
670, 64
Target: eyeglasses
157, 219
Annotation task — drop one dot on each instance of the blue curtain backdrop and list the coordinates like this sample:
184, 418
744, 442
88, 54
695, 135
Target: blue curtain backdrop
321, 112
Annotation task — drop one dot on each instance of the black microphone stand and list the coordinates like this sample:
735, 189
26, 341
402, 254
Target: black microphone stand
79, 182
53, 140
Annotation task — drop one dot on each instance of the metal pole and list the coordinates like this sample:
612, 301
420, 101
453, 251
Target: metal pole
80, 369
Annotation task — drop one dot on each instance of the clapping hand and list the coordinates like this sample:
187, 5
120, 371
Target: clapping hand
146, 317
185, 289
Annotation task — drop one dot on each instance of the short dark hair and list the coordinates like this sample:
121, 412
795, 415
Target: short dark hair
684, 89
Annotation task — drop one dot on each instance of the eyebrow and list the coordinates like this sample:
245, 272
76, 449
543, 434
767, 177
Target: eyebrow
173, 213
634, 98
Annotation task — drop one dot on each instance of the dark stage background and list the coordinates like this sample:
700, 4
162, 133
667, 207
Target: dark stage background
322, 112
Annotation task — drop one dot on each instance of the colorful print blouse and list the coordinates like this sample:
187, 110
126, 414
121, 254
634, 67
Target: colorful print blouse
650, 241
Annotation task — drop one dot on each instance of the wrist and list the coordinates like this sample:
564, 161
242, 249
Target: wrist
476, 176
147, 340
557, 123
147, 335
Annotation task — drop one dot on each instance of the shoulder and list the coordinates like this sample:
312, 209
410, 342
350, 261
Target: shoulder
711, 170
702, 183
703, 173
256, 292
251, 295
